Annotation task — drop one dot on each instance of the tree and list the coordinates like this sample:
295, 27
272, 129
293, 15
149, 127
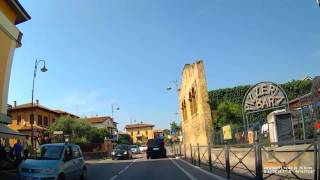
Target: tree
124, 139
175, 127
228, 113
79, 130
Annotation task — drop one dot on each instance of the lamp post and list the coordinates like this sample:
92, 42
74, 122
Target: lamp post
112, 109
43, 69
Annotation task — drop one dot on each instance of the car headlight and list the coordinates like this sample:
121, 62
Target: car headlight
125, 153
113, 153
47, 171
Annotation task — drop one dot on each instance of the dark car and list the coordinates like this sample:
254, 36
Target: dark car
122, 151
156, 149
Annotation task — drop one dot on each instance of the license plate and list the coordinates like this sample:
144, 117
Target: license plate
118, 155
155, 148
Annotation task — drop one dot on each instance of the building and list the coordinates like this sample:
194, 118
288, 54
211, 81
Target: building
11, 14
140, 132
158, 133
194, 107
43, 118
104, 122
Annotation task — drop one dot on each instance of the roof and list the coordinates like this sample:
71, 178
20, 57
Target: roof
97, 120
6, 132
29, 105
138, 125
22, 14
65, 113
35, 105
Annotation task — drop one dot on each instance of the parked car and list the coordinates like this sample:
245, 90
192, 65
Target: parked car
122, 151
143, 148
135, 149
156, 149
55, 161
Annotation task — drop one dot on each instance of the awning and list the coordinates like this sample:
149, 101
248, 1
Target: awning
6, 132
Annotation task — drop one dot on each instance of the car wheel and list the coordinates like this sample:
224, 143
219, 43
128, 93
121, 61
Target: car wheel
61, 177
84, 174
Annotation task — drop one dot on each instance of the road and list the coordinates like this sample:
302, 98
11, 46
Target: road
144, 169
138, 168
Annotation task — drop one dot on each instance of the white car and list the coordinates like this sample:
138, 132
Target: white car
143, 148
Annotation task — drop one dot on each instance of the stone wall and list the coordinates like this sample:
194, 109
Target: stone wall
195, 111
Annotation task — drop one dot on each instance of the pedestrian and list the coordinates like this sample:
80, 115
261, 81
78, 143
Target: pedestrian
17, 149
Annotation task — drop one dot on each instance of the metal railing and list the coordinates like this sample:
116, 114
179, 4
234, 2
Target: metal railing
253, 161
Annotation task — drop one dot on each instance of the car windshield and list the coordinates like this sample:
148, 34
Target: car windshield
50, 152
121, 147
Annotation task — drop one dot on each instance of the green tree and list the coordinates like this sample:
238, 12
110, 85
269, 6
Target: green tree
124, 139
228, 113
175, 127
79, 130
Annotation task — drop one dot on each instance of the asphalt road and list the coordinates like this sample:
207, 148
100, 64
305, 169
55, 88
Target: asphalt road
144, 169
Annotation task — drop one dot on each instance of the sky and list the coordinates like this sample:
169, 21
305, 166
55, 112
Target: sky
126, 52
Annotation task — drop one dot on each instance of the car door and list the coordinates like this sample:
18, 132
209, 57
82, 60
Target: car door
68, 168
77, 161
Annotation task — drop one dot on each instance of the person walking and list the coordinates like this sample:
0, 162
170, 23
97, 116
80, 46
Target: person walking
17, 150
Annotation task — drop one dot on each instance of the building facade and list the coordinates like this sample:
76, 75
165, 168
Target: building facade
11, 14
194, 107
43, 117
104, 122
140, 132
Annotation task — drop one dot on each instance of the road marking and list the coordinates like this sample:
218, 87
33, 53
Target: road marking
204, 171
114, 177
183, 170
123, 170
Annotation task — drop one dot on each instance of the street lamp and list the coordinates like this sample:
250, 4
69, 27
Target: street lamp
175, 83
112, 108
43, 69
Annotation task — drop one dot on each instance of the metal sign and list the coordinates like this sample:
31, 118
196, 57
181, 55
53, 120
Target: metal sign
264, 95
227, 132
57, 132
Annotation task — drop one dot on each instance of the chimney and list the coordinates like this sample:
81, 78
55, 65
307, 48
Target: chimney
14, 103
37, 101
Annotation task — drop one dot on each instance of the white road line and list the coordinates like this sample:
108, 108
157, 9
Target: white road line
204, 171
114, 177
183, 170
122, 170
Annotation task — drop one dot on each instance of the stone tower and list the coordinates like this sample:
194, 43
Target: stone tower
195, 111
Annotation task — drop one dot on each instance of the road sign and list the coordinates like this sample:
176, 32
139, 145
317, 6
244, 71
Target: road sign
173, 132
58, 132
227, 132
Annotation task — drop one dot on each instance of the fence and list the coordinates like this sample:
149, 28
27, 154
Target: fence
286, 160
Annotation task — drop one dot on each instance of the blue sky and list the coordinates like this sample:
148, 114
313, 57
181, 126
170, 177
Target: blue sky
100, 52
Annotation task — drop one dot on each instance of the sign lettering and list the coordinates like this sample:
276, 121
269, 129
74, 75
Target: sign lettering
263, 96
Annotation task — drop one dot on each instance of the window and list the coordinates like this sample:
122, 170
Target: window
31, 119
184, 110
46, 123
19, 119
40, 120
75, 152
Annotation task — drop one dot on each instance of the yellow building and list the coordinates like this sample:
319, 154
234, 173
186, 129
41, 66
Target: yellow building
11, 14
43, 117
140, 133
